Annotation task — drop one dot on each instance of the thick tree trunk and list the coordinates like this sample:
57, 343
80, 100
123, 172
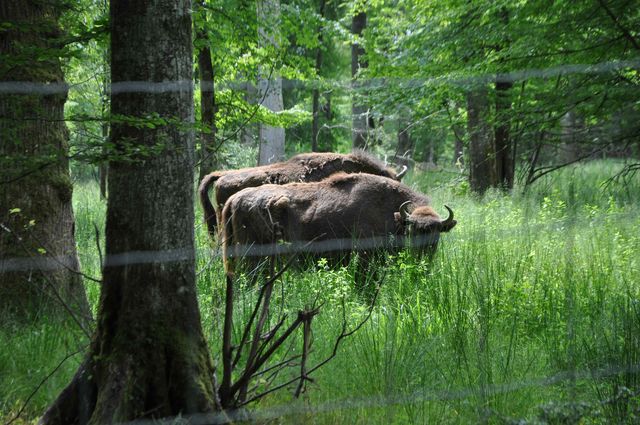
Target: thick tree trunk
148, 358
38, 260
359, 111
271, 147
208, 148
482, 153
504, 151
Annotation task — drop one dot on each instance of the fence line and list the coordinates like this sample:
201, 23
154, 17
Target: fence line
26, 87
383, 400
18, 264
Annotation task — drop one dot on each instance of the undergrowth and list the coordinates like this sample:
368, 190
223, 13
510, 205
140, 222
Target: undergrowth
528, 313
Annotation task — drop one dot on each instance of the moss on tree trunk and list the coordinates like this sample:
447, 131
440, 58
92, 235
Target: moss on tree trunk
38, 260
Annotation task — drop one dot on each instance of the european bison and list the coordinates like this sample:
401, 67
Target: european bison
342, 213
307, 167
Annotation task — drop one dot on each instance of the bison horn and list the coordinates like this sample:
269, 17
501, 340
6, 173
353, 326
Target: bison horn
404, 210
449, 220
401, 174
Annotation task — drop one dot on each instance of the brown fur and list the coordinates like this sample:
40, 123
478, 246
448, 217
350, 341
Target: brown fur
359, 211
307, 167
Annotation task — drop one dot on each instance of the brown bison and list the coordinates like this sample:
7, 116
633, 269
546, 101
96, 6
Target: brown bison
307, 167
342, 213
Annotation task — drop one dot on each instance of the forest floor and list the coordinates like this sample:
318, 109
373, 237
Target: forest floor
528, 313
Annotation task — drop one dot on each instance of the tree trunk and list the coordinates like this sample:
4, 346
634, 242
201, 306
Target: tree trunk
271, 147
482, 153
503, 142
38, 260
359, 111
504, 151
458, 152
315, 124
249, 130
458, 135
571, 127
148, 358
103, 168
208, 148
405, 144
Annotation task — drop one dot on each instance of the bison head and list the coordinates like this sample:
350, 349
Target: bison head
422, 225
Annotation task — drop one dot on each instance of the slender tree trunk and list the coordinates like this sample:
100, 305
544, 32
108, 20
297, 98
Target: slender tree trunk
38, 260
249, 130
502, 131
482, 153
271, 147
103, 168
315, 124
504, 151
431, 154
359, 111
148, 358
458, 135
208, 147
571, 128
405, 144
458, 152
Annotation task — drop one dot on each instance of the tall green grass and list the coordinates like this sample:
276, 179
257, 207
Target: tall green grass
528, 312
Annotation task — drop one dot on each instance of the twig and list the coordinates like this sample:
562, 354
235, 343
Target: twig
306, 336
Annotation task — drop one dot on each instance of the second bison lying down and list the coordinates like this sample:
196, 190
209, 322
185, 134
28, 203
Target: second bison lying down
308, 167
339, 214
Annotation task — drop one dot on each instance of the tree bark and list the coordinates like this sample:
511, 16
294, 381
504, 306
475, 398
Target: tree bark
504, 150
271, 147
38, 261
148, 357
359, 111
208, 148
482, 153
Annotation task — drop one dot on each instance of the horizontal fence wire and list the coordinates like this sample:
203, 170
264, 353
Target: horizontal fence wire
424, 395
26, 87
49, 263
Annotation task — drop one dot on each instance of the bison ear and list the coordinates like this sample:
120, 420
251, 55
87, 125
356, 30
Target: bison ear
280, 203
398, 218
445, 227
